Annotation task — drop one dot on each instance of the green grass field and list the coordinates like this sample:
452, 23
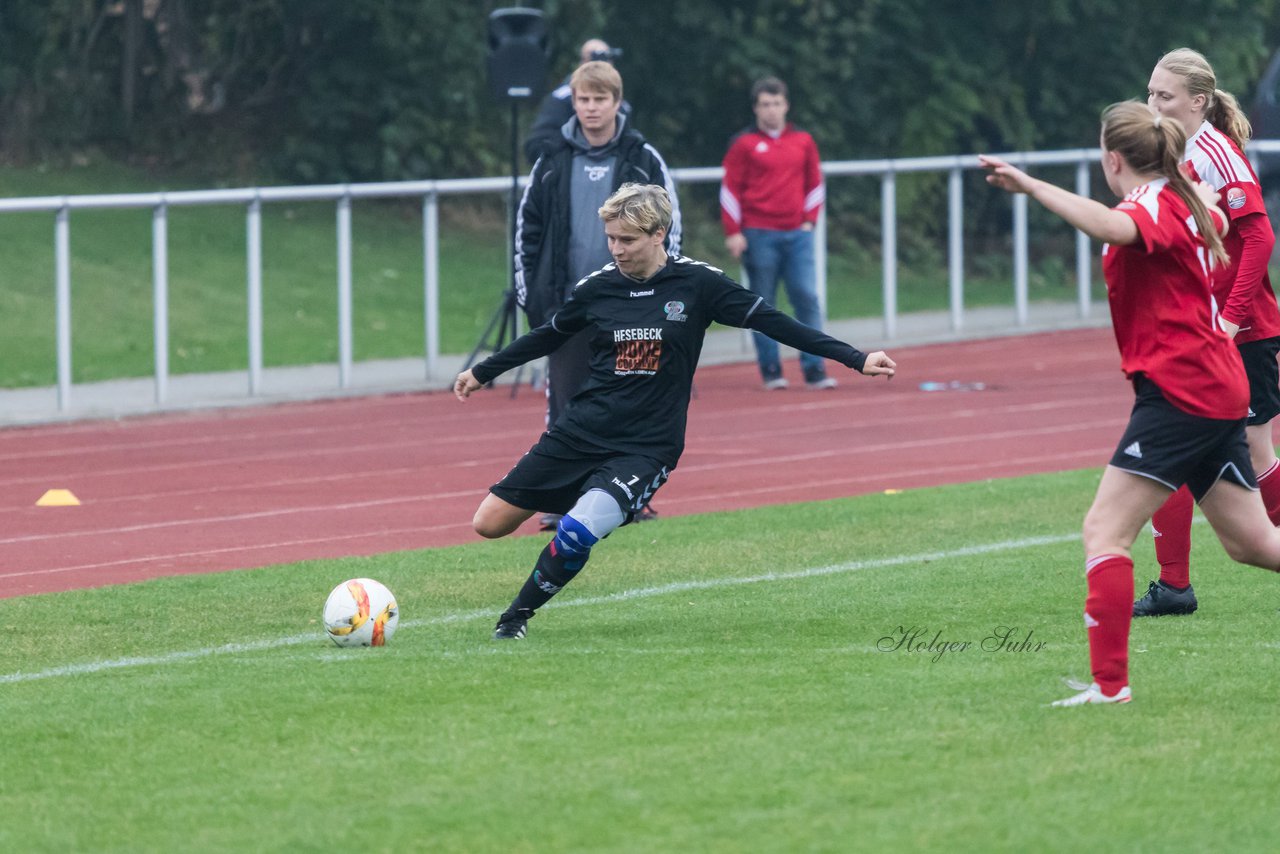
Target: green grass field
711, 683
111, 273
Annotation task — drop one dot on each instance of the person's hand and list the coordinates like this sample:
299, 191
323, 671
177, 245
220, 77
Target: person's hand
736, 244
1207, 194
879, 364
465, 384
1228, 327
1008, 178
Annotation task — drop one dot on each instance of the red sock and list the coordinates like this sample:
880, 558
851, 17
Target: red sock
1269, 486
1172, 523
1108, 611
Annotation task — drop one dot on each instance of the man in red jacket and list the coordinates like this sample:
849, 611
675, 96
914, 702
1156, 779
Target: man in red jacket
769, 201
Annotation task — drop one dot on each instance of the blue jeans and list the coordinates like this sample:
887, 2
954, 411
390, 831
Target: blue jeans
789, 254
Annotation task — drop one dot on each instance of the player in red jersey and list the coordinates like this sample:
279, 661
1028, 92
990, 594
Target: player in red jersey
1187, 424
1183, 88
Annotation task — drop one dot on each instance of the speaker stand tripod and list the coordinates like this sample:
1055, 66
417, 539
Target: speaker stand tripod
503, 327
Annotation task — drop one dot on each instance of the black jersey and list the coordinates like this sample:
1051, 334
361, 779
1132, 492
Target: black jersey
645, 341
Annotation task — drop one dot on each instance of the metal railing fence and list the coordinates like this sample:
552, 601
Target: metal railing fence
430, 193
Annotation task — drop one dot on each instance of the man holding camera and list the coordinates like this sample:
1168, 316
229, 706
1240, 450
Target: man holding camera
558, 239
557, 106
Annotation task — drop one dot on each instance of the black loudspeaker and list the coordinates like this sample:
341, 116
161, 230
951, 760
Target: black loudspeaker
517, 53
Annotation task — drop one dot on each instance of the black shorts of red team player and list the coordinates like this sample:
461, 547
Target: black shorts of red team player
554, 474
1171, 447
1264, 378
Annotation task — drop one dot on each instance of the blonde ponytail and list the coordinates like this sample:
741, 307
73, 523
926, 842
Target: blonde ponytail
1225, 114
1150, 146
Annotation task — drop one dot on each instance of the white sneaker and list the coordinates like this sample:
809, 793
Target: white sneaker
822, 384
1091, 693
776, 384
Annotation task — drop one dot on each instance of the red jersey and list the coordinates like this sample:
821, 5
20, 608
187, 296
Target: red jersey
1248, 300
771, 182
1162, 308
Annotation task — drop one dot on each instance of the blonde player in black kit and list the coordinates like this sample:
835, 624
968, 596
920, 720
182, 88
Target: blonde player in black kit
619, 438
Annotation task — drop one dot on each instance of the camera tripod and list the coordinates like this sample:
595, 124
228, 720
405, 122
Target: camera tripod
504, 325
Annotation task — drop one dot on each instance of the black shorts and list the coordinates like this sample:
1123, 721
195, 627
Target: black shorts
553, 475
1264, 378
1169, 446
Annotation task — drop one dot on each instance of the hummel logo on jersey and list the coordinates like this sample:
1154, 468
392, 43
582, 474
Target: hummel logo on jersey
762, 146
625, 487
596, 173
1134, 451
647, 293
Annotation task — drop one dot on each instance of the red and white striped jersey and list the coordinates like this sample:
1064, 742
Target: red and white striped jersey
771, 182
1247, 301
1162, 308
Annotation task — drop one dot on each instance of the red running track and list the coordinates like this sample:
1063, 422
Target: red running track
249, 487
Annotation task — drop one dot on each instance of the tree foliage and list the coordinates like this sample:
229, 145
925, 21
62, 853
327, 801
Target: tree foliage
329, 90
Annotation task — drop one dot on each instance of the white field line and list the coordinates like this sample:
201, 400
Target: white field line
91, 667
1085, 457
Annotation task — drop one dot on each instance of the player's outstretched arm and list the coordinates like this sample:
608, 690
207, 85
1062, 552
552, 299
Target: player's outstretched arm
534, 344
879, 364
465, 384
1093, 218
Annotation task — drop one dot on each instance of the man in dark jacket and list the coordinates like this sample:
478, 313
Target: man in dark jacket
558, 240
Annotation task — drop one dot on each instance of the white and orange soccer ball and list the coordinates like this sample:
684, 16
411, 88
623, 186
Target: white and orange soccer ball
361, 612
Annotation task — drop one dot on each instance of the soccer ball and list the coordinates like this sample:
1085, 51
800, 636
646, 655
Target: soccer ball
361, 612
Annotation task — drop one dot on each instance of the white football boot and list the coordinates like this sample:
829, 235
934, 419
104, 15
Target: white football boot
1091, 693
